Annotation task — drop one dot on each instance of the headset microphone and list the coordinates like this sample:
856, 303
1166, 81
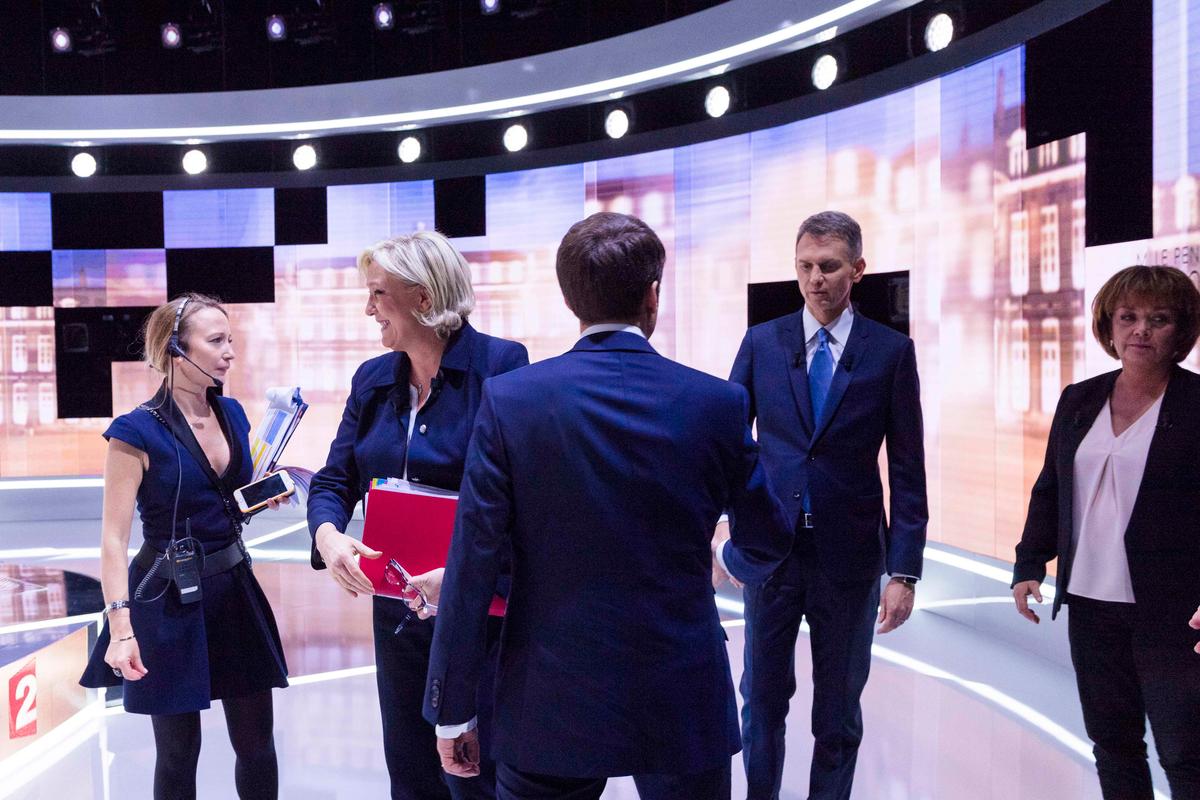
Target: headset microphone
216, 381
175, 349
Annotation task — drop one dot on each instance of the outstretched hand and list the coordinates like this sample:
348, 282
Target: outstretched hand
341, 554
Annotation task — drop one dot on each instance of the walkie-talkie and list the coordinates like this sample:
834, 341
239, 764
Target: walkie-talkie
185, 565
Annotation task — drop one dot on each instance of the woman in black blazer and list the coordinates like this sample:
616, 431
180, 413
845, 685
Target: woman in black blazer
1118, 503
409, 414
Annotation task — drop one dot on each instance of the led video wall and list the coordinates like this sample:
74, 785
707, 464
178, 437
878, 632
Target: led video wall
991, 233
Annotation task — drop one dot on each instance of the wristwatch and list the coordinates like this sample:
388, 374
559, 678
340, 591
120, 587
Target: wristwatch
116, 605
905, 579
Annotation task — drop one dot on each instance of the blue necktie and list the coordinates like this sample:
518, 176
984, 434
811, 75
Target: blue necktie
820, 375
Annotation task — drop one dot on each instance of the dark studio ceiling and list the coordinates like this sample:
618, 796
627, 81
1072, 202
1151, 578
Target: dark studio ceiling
117, 45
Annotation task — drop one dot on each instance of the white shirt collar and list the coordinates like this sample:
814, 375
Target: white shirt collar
606, 327
839, 329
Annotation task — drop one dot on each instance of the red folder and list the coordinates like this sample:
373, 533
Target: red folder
413, 527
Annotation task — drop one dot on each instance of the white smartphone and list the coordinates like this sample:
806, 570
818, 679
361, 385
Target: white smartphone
254, 496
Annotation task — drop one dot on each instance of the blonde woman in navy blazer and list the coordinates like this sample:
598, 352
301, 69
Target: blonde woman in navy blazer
1128, 444
419, 291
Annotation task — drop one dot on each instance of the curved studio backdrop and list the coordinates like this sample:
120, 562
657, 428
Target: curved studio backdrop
992, 234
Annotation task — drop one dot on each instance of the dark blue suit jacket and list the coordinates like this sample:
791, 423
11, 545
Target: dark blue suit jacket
874, 397
373, 435
606, 469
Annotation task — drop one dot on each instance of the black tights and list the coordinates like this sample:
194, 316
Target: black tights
250, 720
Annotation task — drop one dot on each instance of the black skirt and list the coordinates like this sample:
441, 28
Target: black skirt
226, 645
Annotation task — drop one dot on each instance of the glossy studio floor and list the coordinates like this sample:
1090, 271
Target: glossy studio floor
965, 701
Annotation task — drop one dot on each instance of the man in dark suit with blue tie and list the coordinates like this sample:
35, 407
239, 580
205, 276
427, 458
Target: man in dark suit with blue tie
828, 387
604, 470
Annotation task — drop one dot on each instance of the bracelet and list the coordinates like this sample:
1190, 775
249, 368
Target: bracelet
116, 605
127, 638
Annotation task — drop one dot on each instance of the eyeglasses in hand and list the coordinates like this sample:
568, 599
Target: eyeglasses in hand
398, 577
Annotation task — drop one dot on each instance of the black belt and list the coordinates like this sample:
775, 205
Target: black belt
224, 559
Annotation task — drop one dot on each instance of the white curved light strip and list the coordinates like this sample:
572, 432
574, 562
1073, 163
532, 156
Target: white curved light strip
63, 739
957, 602
268, 537
511, 105
28, 763
979, 568
52, 483
56, 622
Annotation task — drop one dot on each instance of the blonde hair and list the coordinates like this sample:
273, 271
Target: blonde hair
156, 333
427, 259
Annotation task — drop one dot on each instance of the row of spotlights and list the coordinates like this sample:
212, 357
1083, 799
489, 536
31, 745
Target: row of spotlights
617, 122
194, 162
383, 15
939, 32
516, 137
716, 103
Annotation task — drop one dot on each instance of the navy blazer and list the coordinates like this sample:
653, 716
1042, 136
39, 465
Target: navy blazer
1162, 542
606, 469
874, 396
373, 435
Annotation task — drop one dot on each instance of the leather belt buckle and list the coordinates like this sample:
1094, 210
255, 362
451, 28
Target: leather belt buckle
807, 522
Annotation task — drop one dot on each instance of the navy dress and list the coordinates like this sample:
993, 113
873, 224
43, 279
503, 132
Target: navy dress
372, 442
226, 645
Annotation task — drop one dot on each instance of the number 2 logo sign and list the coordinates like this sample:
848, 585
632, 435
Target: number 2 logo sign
22, 701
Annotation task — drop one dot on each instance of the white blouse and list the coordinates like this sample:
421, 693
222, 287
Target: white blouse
1108, 474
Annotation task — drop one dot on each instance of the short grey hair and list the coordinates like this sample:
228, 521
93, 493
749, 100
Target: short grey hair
427, 259
834, 225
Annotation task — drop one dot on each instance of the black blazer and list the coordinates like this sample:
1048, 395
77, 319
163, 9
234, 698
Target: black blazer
1162, 541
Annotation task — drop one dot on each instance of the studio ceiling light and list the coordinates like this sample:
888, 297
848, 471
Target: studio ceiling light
616, 123
195, 162
824, 72
172, 37
60, 40
515, 138
304, 157
939, 32
276, 28
717, 101
384, 16
409, 149
83, 165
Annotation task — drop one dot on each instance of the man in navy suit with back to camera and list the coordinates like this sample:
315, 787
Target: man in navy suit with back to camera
605, 470
828, 386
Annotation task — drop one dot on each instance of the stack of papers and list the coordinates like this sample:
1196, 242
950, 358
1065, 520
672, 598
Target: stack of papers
285, 408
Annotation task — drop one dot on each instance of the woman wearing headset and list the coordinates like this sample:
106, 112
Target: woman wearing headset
179, 457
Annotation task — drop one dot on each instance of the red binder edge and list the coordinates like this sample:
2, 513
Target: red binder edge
391, 513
